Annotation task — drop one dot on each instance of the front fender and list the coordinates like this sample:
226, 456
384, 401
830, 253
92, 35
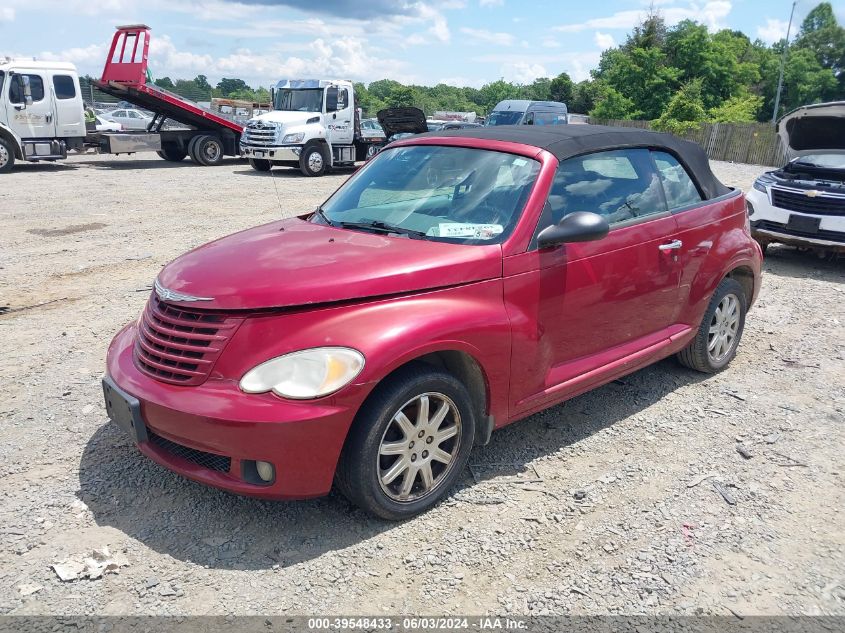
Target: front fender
7, 133
390, 333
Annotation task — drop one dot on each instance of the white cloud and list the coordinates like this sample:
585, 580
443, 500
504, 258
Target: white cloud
604, 40
712, 13
522, 72
773, 31
549, 42
488, 37
7, 14
490, 3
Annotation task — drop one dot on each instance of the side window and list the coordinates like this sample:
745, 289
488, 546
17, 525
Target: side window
620, 185
64, 87
2, 78
679, 187
342, 99
549, 118
529, 119
36, 89
119, 113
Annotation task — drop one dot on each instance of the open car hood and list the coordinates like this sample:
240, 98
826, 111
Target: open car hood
814, 129
399, 120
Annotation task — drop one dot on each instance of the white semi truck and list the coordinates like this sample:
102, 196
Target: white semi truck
41, 111
314, 126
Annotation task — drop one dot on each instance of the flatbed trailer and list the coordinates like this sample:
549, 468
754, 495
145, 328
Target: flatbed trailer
207, 136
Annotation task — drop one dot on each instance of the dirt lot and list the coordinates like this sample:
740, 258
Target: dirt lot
638, 500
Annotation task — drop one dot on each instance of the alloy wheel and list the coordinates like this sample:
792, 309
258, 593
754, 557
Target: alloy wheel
4, 155
722, 336
419, 447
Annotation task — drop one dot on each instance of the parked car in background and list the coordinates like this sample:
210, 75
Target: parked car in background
803, 203
459, 125
129, 118
524, 112
104, 125
453, 285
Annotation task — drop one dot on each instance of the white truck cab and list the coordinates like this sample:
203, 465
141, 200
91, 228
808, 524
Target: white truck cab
314, 126
41, 111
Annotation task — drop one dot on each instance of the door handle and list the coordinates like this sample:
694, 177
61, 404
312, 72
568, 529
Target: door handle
671, 246
48, 117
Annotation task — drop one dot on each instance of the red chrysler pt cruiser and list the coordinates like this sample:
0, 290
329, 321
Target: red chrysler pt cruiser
458, 282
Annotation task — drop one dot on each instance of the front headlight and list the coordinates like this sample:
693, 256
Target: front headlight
294, 138
311, 373
762, 182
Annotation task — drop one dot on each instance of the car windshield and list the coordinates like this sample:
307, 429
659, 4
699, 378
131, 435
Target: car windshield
452, 194
309, 100
826, 161
505, 117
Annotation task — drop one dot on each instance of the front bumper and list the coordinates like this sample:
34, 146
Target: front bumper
773, 224
280, 153
211, 433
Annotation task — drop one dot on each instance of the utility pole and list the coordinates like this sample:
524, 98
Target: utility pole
782, 64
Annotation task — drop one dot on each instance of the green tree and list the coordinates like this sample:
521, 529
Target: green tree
165, 82
611, 104
685, 110
499, 90
739, 109
642, 75
650, 33
401, 96
540, 89
562, 88
820, 33
584, 96
228, 86
202, 83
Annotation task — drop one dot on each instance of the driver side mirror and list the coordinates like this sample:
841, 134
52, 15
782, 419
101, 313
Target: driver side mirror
581, 226
331, 99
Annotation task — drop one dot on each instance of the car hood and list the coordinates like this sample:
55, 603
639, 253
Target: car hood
285, 117
294, 263
402, 120
814, 129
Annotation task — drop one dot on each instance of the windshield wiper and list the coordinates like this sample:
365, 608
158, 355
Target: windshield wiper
381, 227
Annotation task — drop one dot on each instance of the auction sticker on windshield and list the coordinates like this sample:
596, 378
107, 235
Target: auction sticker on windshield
459, 229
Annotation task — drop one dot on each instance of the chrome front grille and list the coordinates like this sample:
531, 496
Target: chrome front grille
259, 134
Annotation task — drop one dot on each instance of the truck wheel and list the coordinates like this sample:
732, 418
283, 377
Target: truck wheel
207, 150
372, 150
260, 165
715, 344
7, 156
313, 161
172, 152
409, 443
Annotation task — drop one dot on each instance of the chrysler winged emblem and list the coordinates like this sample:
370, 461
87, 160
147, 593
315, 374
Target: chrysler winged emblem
166, 294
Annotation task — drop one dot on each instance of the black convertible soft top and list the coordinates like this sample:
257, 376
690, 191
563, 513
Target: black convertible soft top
566, 141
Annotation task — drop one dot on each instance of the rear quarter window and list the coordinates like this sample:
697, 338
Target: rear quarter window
64, 87
679, 187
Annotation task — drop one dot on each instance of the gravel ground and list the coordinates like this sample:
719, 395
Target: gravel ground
630, 499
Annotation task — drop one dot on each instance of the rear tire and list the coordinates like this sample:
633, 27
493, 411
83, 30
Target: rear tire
172, 152
7, 156
207, 150
313, 161
260, 165
716, 342
409, 443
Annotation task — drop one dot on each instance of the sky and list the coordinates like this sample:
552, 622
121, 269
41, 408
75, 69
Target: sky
458, 42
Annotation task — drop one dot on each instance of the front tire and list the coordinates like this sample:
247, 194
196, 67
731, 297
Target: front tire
313, 161
7, 156
716, 342
409, 443
260, 165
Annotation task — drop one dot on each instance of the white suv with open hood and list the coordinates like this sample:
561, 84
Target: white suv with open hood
803, 203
